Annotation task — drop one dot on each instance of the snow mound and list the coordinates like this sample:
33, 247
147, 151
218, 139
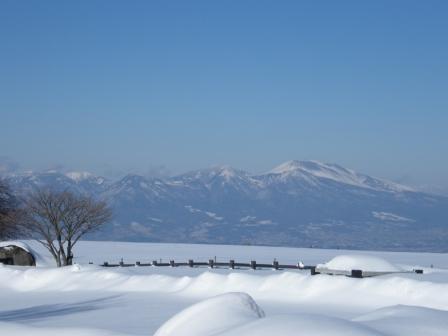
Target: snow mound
212, 316
360, 262
407, 320
40, 259
286, 287
301, 324
237, 314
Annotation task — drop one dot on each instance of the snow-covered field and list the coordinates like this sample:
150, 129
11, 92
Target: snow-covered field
90, 300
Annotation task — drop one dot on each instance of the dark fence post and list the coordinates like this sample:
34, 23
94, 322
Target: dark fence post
253, 264
137, 263
172, 264
121, 263
191, 263
275, 264
106, 264
356, 274
154, 262
232, 264
313, 270
211, 263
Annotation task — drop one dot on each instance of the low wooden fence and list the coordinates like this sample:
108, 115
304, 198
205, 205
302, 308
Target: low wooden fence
211, 263
231, 264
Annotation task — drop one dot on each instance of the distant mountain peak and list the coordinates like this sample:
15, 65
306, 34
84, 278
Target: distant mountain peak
315, 171
312, 167
130, 179
298, 203
85, 177
295, 165
226, 171
78, 176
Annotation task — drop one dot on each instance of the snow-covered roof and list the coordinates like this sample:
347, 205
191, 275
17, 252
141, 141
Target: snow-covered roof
41, 260
360, 262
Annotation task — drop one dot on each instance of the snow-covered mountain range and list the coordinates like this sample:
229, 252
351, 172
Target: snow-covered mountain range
298, 203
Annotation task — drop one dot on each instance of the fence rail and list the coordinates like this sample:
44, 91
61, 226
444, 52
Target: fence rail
211, 263
231, 264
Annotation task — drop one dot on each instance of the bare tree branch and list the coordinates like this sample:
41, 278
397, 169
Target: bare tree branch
59, 219
9, 213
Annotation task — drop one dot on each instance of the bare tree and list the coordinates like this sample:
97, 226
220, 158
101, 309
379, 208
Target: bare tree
59, 219
8, 213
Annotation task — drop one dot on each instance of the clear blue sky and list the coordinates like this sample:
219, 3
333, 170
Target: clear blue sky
129, 85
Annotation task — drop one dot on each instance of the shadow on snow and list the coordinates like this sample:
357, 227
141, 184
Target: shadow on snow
59, 309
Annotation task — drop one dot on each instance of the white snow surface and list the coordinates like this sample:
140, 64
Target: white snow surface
88, 299
360, 262
226, 311
78, 176
407, 320
301, 324
238, 314
387, 216
312, 171
42, 258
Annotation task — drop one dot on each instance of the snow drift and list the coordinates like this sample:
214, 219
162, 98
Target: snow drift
20, 330
407, 320
90, 300
288, 287
237, 314
212, 316
301, 325
360, 262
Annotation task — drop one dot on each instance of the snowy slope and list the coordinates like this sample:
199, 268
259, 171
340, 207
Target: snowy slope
315, 172
89, 300
299, 203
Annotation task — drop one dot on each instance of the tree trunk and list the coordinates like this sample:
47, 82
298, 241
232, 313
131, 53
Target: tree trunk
62, 254
69, 253
58, 259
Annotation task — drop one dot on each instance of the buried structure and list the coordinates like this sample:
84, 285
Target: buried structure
16, 255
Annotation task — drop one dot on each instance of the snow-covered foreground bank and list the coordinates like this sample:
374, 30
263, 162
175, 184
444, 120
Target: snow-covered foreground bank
90, 300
